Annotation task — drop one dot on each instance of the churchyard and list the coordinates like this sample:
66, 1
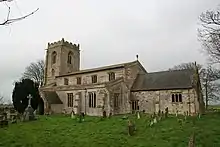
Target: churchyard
67, 131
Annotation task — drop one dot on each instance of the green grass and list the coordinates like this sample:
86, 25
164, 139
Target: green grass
62, 131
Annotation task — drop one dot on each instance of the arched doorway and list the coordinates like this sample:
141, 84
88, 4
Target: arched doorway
41, 107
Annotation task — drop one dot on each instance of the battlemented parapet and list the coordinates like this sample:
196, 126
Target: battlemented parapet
64, 43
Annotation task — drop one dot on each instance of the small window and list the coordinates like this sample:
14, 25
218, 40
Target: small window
176, 97
54, 57
92, 99
94, 79
66, 81
78, 80
111, 76
70, 99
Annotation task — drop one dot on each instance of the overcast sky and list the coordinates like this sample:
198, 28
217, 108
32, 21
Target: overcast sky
162, 32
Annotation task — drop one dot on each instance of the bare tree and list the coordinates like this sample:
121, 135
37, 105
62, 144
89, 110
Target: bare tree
1, 100
209, 34
35, 72
11, 20
208, 78
189, 65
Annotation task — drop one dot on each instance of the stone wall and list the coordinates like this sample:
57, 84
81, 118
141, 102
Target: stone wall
153, 101
102, 77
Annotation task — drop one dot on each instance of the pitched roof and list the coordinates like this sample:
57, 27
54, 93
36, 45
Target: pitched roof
52, 97
102, 68
164, 80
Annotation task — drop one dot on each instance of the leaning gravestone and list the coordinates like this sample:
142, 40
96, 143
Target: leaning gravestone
138, 115
29, 111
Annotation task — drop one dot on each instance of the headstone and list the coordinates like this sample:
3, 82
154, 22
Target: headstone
199, 115
184, 115
155, 120
176, 113
192, 140
29, 111
138, 115
159, 113
131, 128
162, 114
187, 113
104, 115
110, 114
72, 114
166, 112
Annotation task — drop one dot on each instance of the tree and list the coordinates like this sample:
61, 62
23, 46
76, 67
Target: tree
19, 96
208, 78
11, 20
209, 34
35, 72
1, 100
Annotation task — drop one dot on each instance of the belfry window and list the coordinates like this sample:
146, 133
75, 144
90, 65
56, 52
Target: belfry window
177, 97
54, 57
69, 59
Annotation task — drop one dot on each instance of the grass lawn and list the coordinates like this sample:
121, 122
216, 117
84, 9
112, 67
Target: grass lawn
62, 131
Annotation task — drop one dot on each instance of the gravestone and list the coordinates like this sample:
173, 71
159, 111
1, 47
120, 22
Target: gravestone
131, 128
184, 115
29, 111
162, 114
110, 114
104, 115
166, 112
73, 114
159, 113
138, 115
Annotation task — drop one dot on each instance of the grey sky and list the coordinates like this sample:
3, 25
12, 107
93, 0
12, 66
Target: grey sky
162, 32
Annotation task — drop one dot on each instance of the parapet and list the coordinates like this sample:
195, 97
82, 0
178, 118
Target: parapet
63, 42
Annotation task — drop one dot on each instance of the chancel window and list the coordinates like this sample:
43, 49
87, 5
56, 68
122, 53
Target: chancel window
135, 105
54, 57
92, 99
111, 76
177, 97
66, 81
69, 59
94, 79
70, 99
116, 100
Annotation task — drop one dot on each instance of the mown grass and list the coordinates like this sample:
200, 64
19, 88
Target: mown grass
62, 131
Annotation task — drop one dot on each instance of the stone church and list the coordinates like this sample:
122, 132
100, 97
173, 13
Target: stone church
116, 89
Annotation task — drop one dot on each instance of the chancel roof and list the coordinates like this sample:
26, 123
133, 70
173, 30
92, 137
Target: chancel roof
164, 80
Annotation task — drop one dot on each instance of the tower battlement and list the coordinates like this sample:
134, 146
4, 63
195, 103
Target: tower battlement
63, 42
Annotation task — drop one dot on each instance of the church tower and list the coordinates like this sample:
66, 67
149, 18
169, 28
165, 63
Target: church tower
62, 57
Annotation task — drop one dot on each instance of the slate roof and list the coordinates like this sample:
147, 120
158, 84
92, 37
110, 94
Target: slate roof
164, 80
52, 97
114, 66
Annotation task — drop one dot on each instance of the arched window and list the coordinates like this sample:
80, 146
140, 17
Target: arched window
54, 57
70, 56
180, 97
173, 98
53, 72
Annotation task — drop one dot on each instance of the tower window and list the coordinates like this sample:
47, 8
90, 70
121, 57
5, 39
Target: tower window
69, 59
94, 79
66, 81
54, 57
111, 76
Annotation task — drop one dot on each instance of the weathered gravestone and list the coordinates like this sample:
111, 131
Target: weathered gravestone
3, 120
138, 115
131, 128
166, 112
73, 114
29, 111
192, 140
104, 115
